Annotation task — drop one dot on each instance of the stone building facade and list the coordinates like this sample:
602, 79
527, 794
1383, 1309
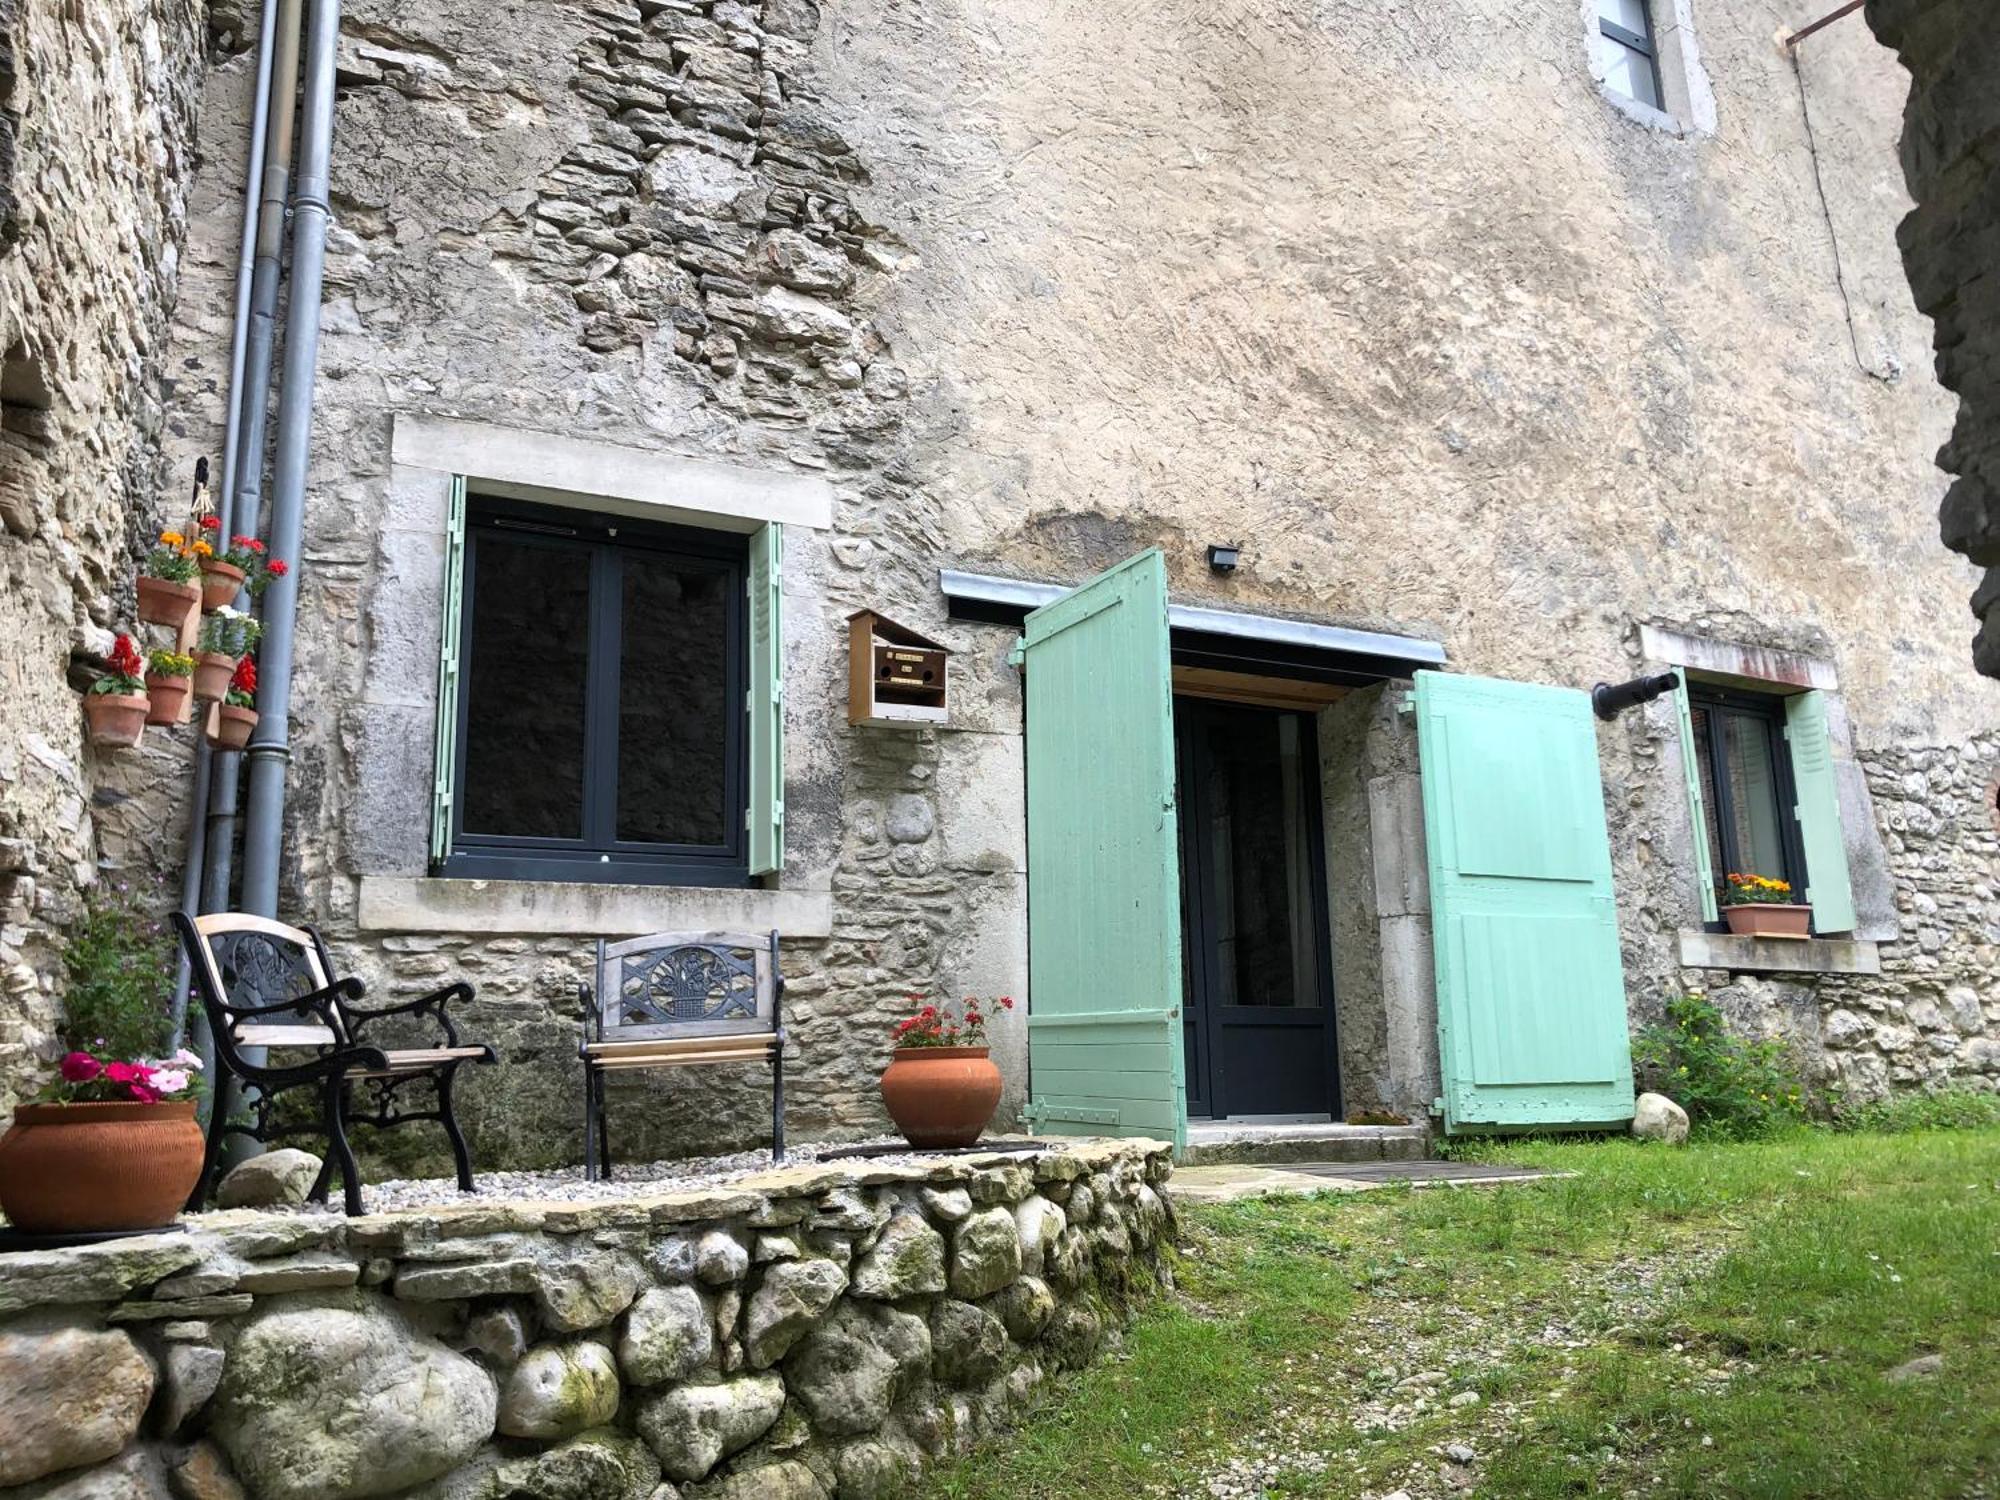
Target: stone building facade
1463, 347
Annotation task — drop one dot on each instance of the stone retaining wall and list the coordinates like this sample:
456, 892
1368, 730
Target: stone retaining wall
811, 1332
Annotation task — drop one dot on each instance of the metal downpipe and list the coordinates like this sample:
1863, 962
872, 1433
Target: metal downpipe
270, 745
243, 493
232, 424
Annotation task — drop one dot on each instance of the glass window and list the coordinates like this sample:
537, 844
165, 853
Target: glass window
601, 725
1624, 44
1746, 787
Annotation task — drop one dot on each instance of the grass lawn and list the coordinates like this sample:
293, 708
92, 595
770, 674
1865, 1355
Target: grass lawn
1721, 1320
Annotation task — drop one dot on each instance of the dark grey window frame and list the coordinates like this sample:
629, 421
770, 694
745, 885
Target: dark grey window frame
1644, 46
608, 544
1716, 705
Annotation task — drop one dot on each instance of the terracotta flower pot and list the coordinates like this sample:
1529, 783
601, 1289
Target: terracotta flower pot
117, 720
232, 726
221, 582
71, 1168
168, 696
1769, 919
212, 671
940, 1096
164, 602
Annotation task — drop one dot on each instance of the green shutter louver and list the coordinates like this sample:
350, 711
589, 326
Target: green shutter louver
766, 815
1704, 868
447, 684
1828, 886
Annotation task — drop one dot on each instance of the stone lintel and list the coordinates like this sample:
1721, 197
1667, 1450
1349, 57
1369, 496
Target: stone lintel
1727, 662
403, 903
1727, 950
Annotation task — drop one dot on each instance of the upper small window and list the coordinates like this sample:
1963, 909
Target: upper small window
1626, 47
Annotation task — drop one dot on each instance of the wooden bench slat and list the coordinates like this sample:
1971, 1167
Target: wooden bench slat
668, 1046
275, 1034
681, 1060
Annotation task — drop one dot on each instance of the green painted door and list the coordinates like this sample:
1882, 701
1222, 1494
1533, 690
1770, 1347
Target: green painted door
1532, 1028
1104, 929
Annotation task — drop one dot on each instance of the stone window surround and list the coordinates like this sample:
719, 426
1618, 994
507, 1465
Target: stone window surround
1684, 86
1730, 664
391, 821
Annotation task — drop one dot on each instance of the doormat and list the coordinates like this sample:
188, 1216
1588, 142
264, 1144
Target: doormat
1405, 1171
900, 1148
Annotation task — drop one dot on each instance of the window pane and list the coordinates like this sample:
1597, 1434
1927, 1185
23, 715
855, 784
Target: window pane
1257, 832
1753, 785
1631, 14
524, 688
673, 729
1718, 862
1627, 72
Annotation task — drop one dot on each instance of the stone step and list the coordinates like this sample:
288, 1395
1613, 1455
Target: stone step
1224, 1142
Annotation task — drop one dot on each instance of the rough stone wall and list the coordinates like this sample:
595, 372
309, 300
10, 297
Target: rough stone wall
808, 1333
1950, 128
96, 118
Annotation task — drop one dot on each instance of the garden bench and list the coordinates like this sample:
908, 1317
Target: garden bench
677, 1000
265, 986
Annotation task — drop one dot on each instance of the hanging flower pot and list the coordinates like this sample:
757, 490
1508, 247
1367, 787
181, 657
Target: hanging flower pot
212, 671
169, 676
220, 583
941, 1087
236, 715
227, 635
170, 579
116, 704
162, 601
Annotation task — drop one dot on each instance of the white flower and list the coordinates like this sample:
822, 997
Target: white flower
169, 1080
186, 1059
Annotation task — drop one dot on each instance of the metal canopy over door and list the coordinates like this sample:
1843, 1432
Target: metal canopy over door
1532, 1028
1104, 932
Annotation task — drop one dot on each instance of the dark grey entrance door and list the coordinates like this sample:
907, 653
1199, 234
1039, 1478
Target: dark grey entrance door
1258, 979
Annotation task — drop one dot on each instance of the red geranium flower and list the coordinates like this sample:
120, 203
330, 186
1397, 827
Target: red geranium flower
244, 679
80, 1067
125, 658
210, 523
277, 568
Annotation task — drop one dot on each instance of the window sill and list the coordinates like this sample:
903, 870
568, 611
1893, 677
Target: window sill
1727, 950
530, 908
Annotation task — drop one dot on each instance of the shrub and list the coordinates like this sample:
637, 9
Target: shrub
119, 960
1729, 1086
1933, 1109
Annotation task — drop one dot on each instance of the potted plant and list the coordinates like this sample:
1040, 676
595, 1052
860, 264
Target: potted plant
111, 1143
236, 714
244, 565
1757, 906
227, 636
169, 676
940, 1086
169, 585
116, 704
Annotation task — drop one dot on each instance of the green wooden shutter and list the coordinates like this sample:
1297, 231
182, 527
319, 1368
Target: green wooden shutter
766, 816
1704, 867
447, 683
1104, 927
1532, 1029
1828, 886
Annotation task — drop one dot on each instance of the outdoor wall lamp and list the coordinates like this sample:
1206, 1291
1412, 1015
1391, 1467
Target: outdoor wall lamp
1222, 557
1610, 702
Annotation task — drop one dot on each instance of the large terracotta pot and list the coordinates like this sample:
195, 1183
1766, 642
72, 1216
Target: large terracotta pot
940, 1096
221, 582
117, 720
212, 671
72, 1168
232, 726
168, 697
1769, 919
165, 602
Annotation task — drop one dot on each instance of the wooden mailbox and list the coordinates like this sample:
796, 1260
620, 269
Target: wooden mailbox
894, 675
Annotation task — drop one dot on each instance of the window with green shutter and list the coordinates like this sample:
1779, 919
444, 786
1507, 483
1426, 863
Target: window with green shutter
610, 699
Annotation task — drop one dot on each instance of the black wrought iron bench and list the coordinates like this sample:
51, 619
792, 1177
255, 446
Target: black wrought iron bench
676, 1000
266, 986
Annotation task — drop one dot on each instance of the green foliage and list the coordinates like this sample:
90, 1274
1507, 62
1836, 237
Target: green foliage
1730, 1087
1934, 1109
119, 960
228, 632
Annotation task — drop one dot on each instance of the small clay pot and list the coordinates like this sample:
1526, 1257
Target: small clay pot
221, 582
165, 602
73, 1168
117, 720
168, 697
232, 726
212, 671
1768, 919
940, 1096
